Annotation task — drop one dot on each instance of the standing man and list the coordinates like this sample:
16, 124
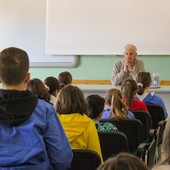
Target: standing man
127, 68
32, 137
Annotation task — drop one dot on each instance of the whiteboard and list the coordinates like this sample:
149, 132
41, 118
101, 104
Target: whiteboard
103, 27
23, 24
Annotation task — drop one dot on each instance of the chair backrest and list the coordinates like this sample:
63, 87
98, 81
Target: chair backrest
112, 143
157, 114
133, 129
160, 131
147, 152
159, 136
145, 118
85, 160
150, 154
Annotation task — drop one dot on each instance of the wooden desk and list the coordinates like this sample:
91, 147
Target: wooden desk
163, 91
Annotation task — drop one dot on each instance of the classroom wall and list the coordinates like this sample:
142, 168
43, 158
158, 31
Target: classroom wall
89, 67
100, 27
100, 67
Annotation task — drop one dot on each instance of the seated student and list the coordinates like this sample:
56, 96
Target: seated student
72, 109
129, 90
96, 106
37, 87
31, 134
53, 86
65, 78
123, 161
144, 81
115, 107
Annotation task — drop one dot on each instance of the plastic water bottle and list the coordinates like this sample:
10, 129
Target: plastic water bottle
155, 79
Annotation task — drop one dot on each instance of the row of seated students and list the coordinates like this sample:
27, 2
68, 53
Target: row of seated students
135, 95
114, 105
72, 110
72, 120
51, 88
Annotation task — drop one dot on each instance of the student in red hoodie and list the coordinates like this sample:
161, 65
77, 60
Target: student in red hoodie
129, 91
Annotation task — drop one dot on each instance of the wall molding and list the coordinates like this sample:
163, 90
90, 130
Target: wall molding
108, 82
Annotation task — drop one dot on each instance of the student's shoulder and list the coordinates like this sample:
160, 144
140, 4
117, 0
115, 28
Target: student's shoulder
153, 99
156, 97
131, 115
43, 106
43, 113
141, 102
136, 101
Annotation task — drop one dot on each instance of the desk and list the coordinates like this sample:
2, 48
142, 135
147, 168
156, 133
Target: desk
163, 91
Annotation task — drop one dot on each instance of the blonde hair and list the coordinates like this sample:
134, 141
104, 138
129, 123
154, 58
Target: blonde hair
118, 107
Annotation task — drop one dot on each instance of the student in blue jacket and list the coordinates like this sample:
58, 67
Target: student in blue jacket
31, 134
144, 82
115, 107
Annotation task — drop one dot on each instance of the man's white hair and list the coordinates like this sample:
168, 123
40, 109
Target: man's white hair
131, 46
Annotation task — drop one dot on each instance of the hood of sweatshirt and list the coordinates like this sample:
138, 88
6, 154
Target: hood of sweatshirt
16, 106
75, 125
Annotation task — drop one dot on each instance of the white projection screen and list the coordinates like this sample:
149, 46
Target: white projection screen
103, 27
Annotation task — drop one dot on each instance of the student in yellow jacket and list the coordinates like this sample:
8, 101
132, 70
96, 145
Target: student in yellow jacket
72, 108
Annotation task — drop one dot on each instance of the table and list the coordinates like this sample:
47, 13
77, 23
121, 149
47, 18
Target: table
88, 89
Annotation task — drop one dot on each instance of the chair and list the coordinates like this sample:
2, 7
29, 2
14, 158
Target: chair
150, 152
157, 114
133, 129
85, 160
147, 151
145, 119
112, 143
159, 135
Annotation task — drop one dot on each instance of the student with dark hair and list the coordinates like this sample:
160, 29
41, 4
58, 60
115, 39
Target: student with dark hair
123, 161
72, 109
37, 87
53, 86
144, 82
65, 78
31, 134
129, 90
96, 106
115, 107
164, 163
